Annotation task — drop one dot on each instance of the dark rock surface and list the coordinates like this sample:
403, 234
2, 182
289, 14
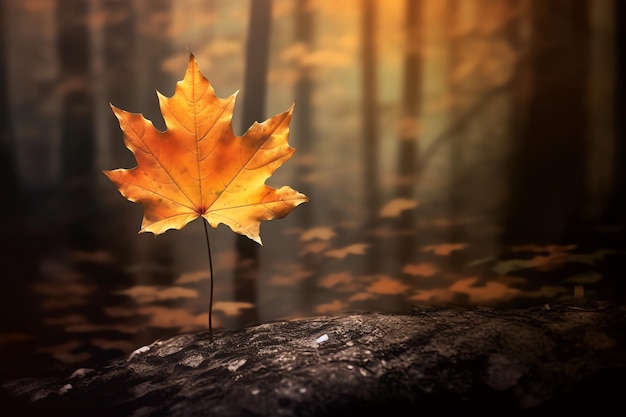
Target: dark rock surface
436, 361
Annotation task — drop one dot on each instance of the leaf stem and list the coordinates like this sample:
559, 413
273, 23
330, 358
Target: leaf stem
208, 246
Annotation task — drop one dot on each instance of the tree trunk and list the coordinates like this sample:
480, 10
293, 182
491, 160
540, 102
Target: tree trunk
78, 142
410, 127
616, 209
150, 46
370, 109
119, 71
456, 190
20, 257
154, 47
303, 130
11, 222
369, 85
246, 274
547, 171
118, 80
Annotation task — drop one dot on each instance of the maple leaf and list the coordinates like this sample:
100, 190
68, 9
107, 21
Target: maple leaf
198, 167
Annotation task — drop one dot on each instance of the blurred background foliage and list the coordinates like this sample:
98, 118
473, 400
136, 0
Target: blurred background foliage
455, 152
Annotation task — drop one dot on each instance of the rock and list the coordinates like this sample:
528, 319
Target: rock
435, 361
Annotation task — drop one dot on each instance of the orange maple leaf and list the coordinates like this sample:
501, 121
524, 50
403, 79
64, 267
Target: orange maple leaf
198, 167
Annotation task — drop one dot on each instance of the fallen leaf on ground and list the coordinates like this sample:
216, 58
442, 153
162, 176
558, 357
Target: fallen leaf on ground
333, 307
291, 274
424, 269
354, 249
320, 232
148, 294
489, 292
193, 277
232, 308
396, 206
444, 248
387, 285
361, 296
314, 247
342, 281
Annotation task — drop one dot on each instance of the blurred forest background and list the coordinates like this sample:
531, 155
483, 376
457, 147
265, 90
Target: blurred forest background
468, 152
